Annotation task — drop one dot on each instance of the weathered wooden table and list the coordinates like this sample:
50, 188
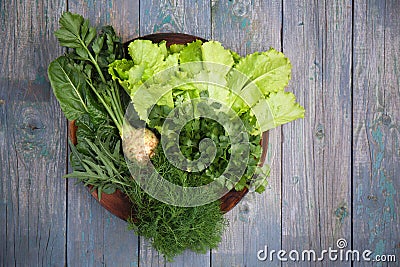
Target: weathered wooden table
335, 174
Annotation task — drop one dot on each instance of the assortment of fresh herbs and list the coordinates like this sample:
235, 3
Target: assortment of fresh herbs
94, 82
252, 86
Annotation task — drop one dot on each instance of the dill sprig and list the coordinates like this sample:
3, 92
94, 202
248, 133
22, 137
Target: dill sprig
171, 229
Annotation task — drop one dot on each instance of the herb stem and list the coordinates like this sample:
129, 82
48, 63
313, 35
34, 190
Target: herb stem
93, 61
110, 112
116, 106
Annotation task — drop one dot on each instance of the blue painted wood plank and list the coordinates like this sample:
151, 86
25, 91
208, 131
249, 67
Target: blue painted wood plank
247, 27
316, 156
376, 117
32, 134
190, 17
96, 237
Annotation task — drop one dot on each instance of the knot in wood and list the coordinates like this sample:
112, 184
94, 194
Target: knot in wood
241, 7
30, 132
320, 133
386, 119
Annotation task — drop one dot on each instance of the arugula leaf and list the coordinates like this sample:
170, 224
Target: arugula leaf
97, 159
69, 87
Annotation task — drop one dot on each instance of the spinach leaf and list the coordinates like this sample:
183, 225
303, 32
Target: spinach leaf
69, 87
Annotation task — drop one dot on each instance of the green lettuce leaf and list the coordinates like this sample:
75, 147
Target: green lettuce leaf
145, 77
269, 70
191, 53
144, 52
169, 76
277, 109
218, 63
119, 71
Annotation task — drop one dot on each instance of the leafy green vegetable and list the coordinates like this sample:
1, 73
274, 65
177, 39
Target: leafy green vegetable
86, 94
69, 87
105, 172
282, 108
214, 52
253, 84
71, 74
148, 59
269, 70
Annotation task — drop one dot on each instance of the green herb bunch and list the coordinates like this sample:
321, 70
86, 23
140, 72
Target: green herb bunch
173, 229
88, 96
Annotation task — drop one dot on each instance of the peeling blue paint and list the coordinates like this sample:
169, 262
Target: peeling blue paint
385, 188
244, 23
341, 213
248, 44
166, 20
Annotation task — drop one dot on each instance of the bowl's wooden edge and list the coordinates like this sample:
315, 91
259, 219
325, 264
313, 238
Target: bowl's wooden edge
117, 203
170, 38
233, 197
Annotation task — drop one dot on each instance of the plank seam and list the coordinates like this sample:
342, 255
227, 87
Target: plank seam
66, 184
281, 136
352, 132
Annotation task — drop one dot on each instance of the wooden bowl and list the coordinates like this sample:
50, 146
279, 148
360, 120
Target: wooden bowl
118, 203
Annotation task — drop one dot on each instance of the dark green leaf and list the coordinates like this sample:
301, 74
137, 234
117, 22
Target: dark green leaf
84, 27
98, 44
67, 39
68, 87
90, 36
69, 33
82, 53
109, 189
75, 157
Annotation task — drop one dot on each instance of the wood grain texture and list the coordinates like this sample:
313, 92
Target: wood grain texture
95, 236
246, 27
316, 155
376, 118
32, 134
190, 17
122, 15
